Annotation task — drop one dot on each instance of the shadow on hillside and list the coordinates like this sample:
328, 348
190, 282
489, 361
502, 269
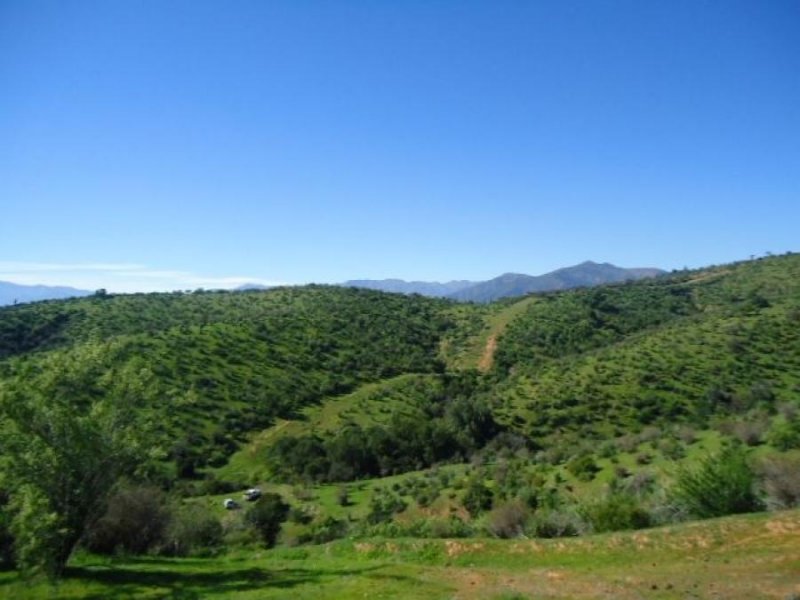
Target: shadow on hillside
170, 580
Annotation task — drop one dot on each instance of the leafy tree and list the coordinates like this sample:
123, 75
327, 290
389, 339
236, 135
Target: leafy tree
135, 521
62, 458
266, 517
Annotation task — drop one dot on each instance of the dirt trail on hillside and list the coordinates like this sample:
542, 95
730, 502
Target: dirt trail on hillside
487, 358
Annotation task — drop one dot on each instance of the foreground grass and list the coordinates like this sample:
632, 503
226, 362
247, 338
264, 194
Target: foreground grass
753, 556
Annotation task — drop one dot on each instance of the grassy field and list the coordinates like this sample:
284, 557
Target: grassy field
753, 556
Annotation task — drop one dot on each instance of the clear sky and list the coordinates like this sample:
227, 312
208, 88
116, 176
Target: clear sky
157, 145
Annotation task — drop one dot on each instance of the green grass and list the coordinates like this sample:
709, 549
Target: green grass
753, 556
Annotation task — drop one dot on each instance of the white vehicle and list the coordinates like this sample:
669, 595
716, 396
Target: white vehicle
252, 494
230, 503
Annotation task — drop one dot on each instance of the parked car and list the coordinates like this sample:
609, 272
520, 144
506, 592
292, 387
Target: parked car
252, 494
230, 503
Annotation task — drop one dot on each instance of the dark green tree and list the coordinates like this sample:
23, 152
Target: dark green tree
266, 517
62, 457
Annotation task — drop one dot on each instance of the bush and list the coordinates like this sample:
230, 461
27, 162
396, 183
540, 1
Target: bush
135, 521
383, 506
192, 530
671, 448
325, 531
780, 479
342, 496
300, 515
583, 468
750, 432
266, 516
558, 523
617, 512
507, 520
212, 486
452, 527
784, 433
722, 484
477, 498
686, 434
640, 484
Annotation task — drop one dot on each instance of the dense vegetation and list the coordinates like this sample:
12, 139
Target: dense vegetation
366, 413
697, 347
445, 421
225, 364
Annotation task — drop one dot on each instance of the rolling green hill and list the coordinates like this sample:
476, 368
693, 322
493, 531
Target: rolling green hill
371, 413
721, 342
221, 364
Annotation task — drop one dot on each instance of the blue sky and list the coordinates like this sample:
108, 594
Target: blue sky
152, 145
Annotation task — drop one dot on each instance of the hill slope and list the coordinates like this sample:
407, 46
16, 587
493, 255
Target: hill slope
222, 364
721, 341
718, 343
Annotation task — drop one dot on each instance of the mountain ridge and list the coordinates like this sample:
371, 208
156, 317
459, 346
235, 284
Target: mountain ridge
15, 293
433, 289
585, 274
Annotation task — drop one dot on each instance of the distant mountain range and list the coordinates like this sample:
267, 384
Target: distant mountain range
12, 293
510, 284
425, 288
585, 274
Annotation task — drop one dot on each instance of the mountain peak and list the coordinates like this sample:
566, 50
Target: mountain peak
587, 273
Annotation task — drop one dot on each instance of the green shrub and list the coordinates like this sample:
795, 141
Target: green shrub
722, 484
325, 531
780, 480
477, 498
192, 530
342, 496
617, 512
135, 521
451, 527
300, 515
784, 433
266, 516
383, 506
211, 486
583, 468
671, 448
554, 523
508, 520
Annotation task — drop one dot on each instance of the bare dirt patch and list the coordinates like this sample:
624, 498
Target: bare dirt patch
454, 548
487, 358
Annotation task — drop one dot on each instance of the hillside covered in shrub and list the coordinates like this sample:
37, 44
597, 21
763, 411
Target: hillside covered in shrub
365, 413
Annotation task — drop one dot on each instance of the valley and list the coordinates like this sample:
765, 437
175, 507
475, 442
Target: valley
465, 443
